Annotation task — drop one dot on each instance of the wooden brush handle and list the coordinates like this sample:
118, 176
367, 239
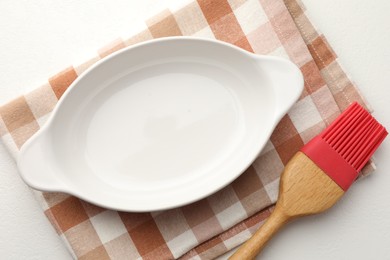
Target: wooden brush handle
304, 190
256, 243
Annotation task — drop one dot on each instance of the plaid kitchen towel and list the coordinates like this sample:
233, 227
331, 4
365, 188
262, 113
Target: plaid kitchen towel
216, 224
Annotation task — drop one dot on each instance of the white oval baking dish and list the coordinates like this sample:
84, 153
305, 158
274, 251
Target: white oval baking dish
160, 124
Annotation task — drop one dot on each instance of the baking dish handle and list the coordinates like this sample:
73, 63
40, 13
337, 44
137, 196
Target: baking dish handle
34, 165
287, 81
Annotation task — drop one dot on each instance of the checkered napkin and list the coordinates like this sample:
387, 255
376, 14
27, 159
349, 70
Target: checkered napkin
212, 226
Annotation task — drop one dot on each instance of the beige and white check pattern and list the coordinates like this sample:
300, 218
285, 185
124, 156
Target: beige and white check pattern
212, 226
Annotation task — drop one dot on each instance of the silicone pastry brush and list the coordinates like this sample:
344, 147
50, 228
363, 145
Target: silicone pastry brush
318, 175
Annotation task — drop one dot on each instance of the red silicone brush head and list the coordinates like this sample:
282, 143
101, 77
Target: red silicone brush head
355, 135
346, 145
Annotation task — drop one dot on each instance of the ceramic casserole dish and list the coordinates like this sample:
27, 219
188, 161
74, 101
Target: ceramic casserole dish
160, 124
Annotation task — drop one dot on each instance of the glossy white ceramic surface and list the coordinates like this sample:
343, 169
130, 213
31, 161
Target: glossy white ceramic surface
160, 124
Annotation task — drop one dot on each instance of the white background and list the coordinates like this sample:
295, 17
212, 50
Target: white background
39, 38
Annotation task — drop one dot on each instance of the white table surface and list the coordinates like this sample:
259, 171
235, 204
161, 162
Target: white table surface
39, 38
